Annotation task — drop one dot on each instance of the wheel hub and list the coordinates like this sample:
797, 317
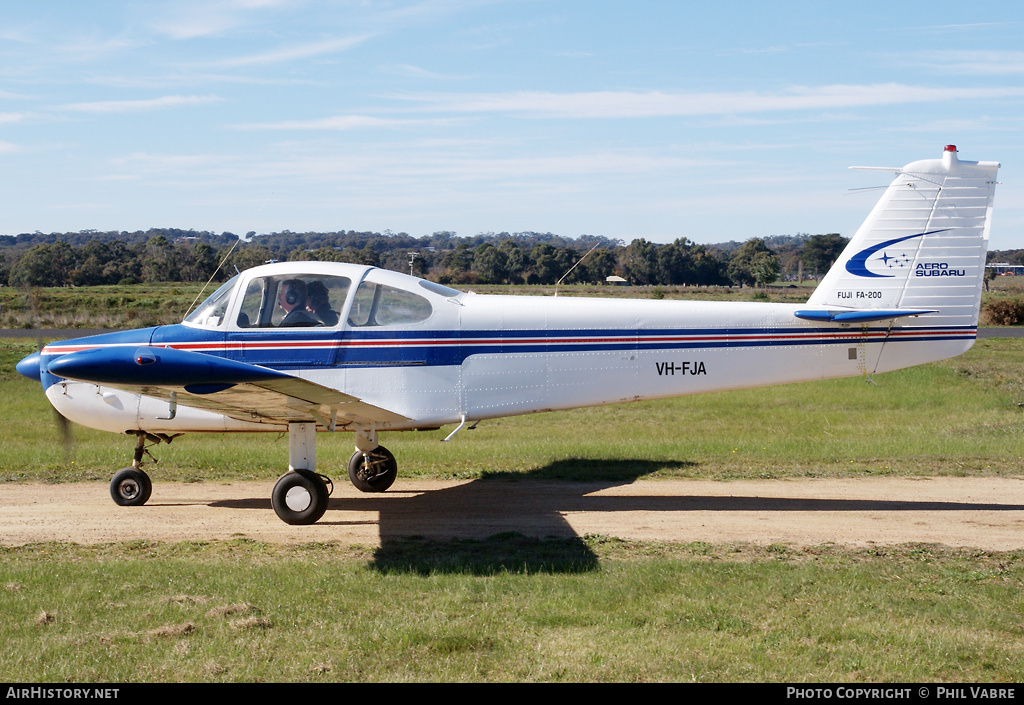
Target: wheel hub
372, 467
297, 499
129, 489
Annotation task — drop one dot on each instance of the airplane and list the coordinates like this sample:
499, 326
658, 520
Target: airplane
308, 347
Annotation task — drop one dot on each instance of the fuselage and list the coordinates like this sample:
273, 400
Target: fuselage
437, 356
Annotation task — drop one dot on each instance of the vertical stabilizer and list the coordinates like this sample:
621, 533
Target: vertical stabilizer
923, 246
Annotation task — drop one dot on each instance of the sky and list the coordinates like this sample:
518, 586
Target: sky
650, 118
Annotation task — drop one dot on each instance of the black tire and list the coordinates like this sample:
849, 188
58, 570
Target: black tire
374, 471
130, 487
300, 497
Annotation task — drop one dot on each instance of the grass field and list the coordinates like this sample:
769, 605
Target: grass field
243, 611
515, 609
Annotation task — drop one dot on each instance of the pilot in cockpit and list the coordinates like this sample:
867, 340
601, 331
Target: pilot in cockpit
291, 297
318, 303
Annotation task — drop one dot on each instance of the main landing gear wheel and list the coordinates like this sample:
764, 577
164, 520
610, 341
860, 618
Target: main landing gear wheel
374, 471
300, 497
131, 487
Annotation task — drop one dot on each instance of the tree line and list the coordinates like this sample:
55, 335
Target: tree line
90, 258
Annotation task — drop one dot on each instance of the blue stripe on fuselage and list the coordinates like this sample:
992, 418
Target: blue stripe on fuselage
374, 348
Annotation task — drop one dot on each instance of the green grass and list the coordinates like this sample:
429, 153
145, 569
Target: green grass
115, 306
244, 611
516, 609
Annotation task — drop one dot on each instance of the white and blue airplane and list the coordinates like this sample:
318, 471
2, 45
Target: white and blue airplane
304, 347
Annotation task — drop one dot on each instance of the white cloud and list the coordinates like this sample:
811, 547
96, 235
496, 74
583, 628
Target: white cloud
7, 118
386, 169
411, 71
339, 122
189, 20
8, 95
974, 63
626, 104
162, 162
83, 48
192, 27
134, 106
299, 51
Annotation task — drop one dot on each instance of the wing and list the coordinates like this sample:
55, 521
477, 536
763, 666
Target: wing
236, 389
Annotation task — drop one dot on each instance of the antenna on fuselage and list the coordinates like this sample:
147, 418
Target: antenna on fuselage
574, 266
212, 276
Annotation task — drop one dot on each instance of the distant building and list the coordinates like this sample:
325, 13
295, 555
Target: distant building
617, 281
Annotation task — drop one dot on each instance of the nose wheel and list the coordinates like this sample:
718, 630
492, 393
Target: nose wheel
131, 487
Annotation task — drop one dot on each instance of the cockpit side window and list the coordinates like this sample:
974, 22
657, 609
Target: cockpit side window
381, 305
305, 301
324, 298
252, 304
210, 313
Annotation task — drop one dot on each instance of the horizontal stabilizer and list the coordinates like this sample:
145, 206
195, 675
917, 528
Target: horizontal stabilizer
859, 316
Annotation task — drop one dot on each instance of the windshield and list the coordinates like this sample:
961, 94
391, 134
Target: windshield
211, 312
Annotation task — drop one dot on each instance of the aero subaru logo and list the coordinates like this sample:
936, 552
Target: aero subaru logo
884, 259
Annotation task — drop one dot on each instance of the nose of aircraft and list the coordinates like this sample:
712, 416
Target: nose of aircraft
29, 367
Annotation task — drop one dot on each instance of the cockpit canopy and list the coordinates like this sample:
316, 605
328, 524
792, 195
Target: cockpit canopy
288, 295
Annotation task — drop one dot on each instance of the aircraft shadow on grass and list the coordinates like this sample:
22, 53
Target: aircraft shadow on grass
514, 522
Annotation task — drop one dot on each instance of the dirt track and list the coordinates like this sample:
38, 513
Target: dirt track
985, 513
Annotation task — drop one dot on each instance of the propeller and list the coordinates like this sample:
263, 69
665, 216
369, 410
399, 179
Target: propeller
30, 367
64, 430
67, 436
